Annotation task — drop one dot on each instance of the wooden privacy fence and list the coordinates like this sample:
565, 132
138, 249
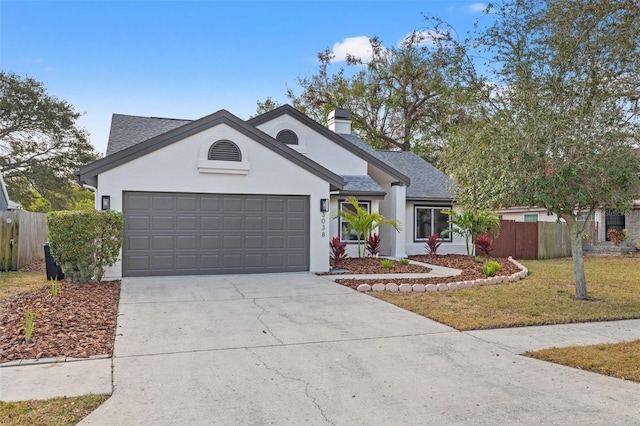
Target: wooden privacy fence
533, 240
22, 235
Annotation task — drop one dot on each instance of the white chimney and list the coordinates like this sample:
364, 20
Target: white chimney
339, 121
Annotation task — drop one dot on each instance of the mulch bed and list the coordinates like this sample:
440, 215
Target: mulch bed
372, 265
80, 322
470, 270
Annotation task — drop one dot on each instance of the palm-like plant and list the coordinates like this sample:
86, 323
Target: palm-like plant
470, 223
363, 223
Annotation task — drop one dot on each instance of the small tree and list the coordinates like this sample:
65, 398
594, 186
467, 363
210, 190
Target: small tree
85, 242
470, 223
364, 223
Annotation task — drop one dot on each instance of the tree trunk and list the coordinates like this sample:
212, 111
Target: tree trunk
578, 260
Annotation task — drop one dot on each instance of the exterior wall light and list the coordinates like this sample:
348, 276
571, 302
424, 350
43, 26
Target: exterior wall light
324, 205
106, 202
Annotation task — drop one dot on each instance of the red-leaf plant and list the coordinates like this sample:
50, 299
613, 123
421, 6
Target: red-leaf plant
338, 251
373, 245
432, 244
485, 243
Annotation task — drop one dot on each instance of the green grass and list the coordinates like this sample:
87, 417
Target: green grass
12, 283
55, 411
621, 360
546, 296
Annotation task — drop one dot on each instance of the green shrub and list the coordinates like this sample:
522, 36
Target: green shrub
490, 268
477, 259
84, 243
404, 261
387, 263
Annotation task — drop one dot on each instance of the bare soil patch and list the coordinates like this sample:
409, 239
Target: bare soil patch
80, 322
470, 270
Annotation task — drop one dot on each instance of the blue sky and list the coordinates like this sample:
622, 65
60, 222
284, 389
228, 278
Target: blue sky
187, 59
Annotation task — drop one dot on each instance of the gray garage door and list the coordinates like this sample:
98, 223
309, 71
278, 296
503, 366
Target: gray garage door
197, 234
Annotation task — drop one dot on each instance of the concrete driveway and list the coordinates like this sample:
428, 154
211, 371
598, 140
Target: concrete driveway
297, 349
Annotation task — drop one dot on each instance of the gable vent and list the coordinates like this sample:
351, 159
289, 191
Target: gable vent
288, 137
224, 150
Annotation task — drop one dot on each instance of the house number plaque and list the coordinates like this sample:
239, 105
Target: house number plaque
323, 221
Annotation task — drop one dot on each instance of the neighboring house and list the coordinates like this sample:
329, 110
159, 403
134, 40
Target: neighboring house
223, 195
5, 202
603, 220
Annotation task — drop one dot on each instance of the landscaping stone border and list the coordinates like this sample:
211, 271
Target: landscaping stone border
449, 286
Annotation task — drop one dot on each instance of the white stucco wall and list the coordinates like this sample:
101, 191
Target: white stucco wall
174, 168
318, 148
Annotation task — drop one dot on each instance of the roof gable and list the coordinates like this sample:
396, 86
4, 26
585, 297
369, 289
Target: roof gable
334, 137
90, 172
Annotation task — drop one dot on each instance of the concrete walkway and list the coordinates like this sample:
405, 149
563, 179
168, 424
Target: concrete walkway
298, 349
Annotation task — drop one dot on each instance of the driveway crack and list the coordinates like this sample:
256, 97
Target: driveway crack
264, 324
236, 288
295, 379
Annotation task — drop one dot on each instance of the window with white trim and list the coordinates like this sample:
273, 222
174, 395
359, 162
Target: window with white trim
531, 217
346, 206
430, 220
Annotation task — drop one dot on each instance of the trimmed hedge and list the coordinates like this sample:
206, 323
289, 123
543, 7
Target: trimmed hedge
84, 243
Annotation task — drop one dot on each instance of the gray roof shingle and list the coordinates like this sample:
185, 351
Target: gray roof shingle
129, 130
354, 184
427, 182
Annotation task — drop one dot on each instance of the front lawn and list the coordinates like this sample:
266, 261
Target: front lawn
546, 296
55, 411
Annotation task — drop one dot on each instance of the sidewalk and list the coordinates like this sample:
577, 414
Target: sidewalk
436, 271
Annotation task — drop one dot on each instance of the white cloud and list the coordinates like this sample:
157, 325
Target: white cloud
476, 7
359, 47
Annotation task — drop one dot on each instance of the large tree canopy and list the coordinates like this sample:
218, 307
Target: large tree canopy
554, 123
40, 144
399, 99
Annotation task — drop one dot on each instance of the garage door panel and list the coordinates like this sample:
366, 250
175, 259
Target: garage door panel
138, 263
187, 262
187, 223
254, 242
275, 224
296, 242
252, 204
210, 204
138, 223
162, 242
135, 242
210, 242
232, 223
296, 224
231, 242
162, 223
187, 242
210, 223
188, 204
254, 223
183, 233
164, 202
232, 204
163, 263
138, 203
